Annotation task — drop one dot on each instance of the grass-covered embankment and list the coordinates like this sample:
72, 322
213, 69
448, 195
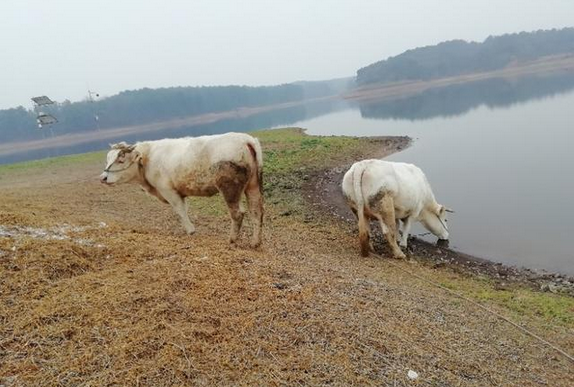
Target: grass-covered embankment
101, 286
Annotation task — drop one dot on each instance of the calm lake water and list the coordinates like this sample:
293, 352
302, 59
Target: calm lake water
498, 152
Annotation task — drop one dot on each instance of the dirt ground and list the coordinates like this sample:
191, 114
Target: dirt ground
101, 287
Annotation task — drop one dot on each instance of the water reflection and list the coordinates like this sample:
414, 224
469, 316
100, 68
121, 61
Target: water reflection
459, 99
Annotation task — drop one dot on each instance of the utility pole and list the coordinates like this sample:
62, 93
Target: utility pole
91, 99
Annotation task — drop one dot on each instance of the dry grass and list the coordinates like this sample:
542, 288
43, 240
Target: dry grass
138, 303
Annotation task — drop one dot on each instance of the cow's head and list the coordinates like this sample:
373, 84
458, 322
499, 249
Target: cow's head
122, 164
435, 221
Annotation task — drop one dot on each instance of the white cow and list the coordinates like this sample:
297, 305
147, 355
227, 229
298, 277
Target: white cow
172, 169
389, 192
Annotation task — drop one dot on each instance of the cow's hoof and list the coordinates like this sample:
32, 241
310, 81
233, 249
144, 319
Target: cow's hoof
442, 243
190, 232
233, 241
400, 255
255, 245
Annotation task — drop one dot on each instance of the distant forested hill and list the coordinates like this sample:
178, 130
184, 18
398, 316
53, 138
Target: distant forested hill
460, 57
156, 105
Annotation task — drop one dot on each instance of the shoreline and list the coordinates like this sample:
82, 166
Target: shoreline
322, 190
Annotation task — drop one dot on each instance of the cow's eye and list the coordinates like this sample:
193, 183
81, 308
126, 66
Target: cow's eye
120, 161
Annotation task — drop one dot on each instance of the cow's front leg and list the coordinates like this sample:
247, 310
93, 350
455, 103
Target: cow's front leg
180, 208
406, 230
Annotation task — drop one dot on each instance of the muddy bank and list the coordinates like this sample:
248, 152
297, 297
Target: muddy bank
322, 191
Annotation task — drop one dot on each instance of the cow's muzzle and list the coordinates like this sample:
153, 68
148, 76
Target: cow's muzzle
104, 179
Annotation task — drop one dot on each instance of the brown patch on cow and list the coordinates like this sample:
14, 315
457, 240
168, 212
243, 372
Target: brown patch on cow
231, 179
375, 200
185, 189
197, 182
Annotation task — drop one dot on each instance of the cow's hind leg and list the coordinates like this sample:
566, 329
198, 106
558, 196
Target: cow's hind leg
255, 204
236, 214
388, 219
180, 208
231, 182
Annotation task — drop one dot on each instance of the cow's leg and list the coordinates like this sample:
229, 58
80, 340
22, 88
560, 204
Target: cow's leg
255, 204
232, 194
388, 219
180, 207
231, 182
354, 211
236, 214
407, 223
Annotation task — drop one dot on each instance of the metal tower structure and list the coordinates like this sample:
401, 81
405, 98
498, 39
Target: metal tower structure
43, 119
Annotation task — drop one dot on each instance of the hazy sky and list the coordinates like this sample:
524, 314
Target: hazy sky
60, 47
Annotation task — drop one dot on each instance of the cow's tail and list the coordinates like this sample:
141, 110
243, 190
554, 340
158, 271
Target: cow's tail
358, 173
257, 155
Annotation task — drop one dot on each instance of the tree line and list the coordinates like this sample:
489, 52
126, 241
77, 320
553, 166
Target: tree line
154, 105
460, 57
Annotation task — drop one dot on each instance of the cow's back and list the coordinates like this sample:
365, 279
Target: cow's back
406, 183
187, 164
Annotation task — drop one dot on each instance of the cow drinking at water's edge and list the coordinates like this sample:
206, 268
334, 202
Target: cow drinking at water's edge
173, 169
391, 192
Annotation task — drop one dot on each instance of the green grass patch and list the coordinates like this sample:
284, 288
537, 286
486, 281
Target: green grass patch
554, 308
290, 150
83, 158
290, 157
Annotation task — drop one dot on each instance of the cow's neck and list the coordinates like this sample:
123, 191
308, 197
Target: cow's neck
146, 185
430, 209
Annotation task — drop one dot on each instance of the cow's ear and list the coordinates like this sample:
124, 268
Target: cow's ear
138, 158
442, 209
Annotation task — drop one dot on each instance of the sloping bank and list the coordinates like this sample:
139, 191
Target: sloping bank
101, 287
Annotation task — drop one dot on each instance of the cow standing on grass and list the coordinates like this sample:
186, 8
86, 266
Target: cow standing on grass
389, 192
173, 169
